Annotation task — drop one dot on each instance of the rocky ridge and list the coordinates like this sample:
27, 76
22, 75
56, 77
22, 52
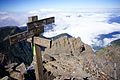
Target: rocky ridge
70, 58
108, 60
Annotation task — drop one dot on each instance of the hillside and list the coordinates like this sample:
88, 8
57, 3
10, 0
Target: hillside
116, 42
20, 52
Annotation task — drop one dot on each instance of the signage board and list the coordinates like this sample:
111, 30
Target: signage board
41, 41
20, 37
40, 23
34, 29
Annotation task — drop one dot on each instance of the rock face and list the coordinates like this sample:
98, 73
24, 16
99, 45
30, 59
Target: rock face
69, 58
20, 52
108, 60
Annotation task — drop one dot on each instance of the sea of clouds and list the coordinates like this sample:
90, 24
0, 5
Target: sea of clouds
88, 24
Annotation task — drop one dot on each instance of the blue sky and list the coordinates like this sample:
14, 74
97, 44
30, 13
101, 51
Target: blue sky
27, 5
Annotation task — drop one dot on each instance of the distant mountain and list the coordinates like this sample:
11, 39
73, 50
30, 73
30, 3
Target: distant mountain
8, 22
116, 42
101, 39
20, 52
23, 28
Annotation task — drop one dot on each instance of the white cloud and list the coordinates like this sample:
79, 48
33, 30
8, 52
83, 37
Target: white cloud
1, 12
116, 36
76, 23
4, 17
108, 40
88, 26
34, 12
53, 10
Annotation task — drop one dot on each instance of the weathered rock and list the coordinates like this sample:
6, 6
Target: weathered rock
49, 58
17, 75
10, 67
5, 78
13, 71
70, 54
108, 61
21, 68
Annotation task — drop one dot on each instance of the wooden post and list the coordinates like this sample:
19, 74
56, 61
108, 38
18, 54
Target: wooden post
36, 55
35, 27
32, 18
38, 63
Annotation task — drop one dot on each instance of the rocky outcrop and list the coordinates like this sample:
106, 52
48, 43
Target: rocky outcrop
108, 61
14, 71
69, 58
